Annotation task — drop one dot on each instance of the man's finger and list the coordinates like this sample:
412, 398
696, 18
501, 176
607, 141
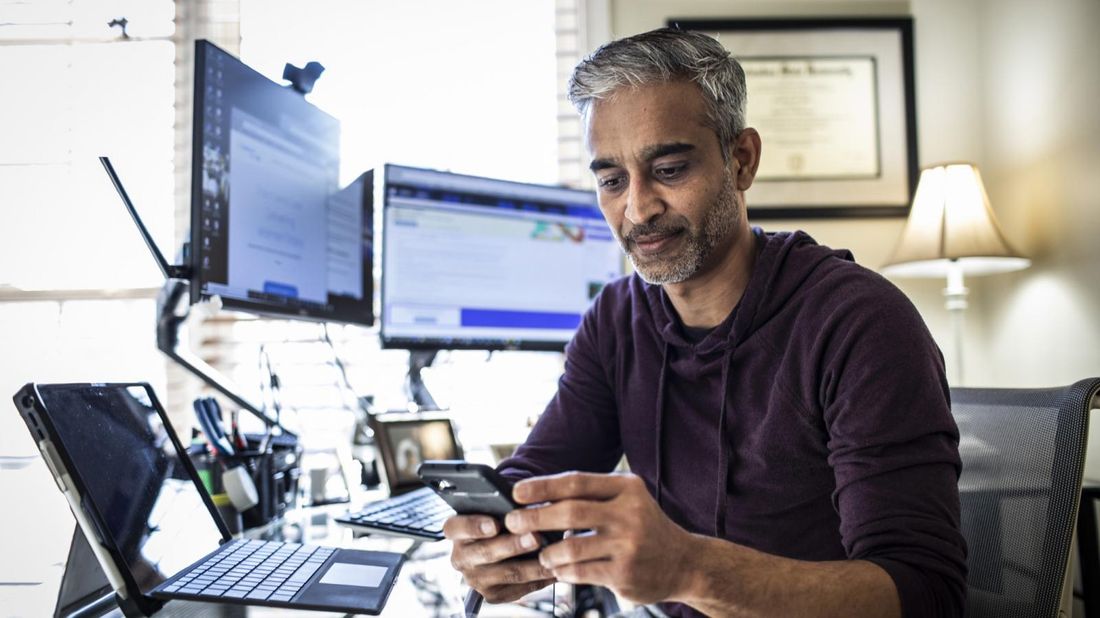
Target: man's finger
507, 573
467, 527
471, 554
597, 572
564, 515
577, 549
511, 592
569, 485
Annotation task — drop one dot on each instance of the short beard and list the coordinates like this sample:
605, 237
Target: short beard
698, 247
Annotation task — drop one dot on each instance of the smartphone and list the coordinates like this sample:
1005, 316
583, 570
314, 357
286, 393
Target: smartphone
473, 489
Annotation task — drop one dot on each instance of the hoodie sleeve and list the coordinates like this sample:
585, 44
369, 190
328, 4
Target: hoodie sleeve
579, 430
893, 446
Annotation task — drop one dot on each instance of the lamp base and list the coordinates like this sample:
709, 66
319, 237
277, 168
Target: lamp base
955, 301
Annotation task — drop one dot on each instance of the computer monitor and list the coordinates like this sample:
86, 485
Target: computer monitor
481, 263
271, 232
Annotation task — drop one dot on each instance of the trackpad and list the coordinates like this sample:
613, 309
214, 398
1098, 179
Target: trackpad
353, 580
347, 574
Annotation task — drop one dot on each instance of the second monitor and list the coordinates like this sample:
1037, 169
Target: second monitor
481, 263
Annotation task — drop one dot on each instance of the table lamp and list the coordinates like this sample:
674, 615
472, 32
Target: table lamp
951, 232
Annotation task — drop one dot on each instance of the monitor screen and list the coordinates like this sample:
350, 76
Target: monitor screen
480, 263
405, 442
271, 232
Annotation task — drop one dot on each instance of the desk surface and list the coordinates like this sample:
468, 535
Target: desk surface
34, 542
427, 585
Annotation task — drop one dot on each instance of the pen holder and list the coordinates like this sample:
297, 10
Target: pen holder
275, 473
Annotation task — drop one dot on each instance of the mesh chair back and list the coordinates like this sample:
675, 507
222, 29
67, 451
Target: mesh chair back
1023, 455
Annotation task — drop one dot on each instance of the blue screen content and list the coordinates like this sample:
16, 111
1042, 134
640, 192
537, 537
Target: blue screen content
471, 262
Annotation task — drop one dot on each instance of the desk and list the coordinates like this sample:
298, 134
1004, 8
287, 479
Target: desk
426, 586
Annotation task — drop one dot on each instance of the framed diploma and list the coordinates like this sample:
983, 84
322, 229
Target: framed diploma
833, 102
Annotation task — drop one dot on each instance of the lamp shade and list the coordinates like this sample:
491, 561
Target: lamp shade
951, 222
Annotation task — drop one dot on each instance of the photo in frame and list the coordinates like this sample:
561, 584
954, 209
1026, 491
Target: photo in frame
833, 100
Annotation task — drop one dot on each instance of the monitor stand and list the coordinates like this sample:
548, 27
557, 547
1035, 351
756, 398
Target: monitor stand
415, 389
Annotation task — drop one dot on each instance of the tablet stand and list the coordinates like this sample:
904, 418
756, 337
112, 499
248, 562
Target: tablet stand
84, 590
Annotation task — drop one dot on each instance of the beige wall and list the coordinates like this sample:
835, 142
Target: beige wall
1007, 84
1042, 143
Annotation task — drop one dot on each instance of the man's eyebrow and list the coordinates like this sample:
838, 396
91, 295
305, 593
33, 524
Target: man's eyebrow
602, 164
663, 150
649, 153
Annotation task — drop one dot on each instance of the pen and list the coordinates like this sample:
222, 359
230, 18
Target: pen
472, 605
211, 426
217, 421
238, 439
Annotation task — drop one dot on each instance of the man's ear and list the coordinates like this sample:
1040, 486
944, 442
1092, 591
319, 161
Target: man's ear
746, 151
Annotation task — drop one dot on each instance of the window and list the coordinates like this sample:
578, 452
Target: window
76, 282
463, 86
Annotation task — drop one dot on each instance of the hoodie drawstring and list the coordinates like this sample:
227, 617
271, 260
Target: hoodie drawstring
722, 442
661, 417
723, 453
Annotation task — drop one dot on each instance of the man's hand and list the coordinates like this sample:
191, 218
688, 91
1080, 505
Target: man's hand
478, 553
634, 549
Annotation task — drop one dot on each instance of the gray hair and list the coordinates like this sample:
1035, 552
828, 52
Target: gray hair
665, 55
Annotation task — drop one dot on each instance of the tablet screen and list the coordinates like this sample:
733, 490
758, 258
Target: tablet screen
132, 476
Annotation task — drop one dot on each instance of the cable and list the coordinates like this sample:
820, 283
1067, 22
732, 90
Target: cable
345, 383
272, 386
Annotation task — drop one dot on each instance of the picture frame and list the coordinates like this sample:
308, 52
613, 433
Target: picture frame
834, 102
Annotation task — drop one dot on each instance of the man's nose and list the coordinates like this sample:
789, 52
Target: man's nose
642, 202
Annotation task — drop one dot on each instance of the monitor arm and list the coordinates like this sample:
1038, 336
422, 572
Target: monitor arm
415, 389
173, 308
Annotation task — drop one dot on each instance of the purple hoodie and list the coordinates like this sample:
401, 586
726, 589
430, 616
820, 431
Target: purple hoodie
813, 423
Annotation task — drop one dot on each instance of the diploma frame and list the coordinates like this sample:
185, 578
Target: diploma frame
885, 44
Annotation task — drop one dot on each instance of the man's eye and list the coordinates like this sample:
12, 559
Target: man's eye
610, 183
670, 172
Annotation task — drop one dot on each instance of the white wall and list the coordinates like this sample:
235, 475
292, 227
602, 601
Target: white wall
1035, 140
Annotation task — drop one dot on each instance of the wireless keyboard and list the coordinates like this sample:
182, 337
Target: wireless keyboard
418, 514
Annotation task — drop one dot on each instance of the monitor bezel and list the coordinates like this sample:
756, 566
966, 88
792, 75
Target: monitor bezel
238, 304
447, 343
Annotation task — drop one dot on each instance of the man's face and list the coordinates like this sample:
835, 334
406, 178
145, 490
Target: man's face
667, 194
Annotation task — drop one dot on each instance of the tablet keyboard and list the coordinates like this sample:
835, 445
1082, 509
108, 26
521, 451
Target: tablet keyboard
264, 570
418, 514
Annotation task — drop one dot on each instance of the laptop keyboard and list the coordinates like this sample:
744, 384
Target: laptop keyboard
264, 570
419, 514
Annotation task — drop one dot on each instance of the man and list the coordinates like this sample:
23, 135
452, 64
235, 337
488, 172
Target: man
783, 411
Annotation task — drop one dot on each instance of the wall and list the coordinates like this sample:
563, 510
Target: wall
1042, 142
1032, 135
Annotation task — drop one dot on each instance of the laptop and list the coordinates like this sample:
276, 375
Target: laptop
155, 531
413, 510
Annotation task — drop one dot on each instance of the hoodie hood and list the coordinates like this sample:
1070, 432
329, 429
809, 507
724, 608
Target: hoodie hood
784, 261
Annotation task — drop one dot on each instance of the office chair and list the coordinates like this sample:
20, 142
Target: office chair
1023, 454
